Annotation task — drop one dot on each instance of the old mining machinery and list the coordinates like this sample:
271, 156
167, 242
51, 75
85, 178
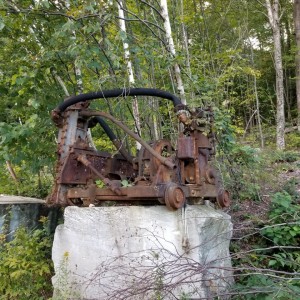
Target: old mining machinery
160, 173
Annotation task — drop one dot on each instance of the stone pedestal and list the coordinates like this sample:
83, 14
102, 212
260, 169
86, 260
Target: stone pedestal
138, 252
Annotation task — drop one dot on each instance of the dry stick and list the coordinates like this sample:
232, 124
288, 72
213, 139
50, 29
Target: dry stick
11, 171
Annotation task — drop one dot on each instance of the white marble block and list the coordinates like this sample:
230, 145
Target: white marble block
139, 252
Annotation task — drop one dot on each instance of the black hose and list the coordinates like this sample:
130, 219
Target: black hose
118, 93
119, 146
105, 127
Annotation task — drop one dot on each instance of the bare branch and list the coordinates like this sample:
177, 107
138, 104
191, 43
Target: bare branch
153, 7
144, 21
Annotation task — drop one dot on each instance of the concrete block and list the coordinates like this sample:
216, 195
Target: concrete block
139, 252
18, 211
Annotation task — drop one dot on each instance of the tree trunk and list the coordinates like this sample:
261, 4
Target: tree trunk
287, 70
297, 57
262, 143
135, 106
170, 42
185, 41
273, 10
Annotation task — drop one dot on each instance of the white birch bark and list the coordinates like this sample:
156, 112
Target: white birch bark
297, 57
185, 41
78, 77
273, 15
135, 106
170, 42
78, 74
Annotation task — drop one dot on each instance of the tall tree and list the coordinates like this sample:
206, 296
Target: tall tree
297, 57
170, 42
273, 15
135, 106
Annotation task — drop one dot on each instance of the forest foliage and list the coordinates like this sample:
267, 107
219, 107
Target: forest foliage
225, 53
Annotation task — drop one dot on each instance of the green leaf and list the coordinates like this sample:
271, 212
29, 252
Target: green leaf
272, 262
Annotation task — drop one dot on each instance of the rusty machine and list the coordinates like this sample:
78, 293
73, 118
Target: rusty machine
160, 172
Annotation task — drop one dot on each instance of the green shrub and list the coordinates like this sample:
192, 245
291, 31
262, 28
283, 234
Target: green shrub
25, 266
285, 221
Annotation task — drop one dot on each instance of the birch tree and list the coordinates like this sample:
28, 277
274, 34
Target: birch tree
273, 15
135, 106
170, 42
297, 57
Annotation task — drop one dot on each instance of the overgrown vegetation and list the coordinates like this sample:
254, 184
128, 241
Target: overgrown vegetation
26, 266
267, 257
265, 251
265, 247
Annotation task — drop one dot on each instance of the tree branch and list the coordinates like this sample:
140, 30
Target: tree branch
144, 21
153, 7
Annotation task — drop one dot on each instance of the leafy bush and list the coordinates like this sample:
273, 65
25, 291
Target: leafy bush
271, 267
284, 218
26, 266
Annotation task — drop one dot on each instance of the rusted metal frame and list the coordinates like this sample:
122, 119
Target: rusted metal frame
127, 193
135, 192
66, 138
102, 161
159, 173
72, 173
161, 182
111, 185
164, 160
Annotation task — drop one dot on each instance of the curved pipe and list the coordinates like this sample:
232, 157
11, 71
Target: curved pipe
163, 160
105, 127
117, 93
111, 136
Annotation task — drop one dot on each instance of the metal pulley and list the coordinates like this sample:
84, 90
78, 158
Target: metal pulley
223, 199
174, 196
